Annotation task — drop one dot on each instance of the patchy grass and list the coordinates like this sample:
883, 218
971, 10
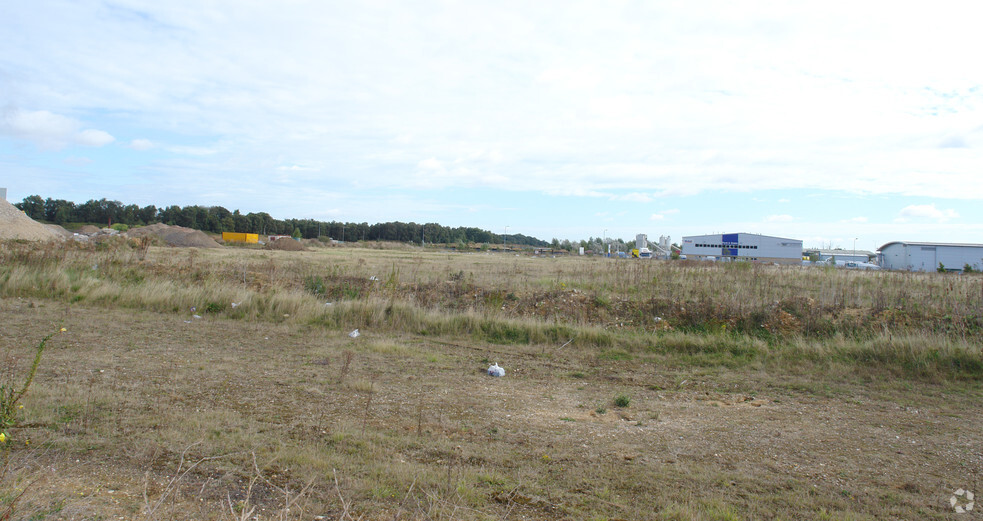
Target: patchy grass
744, 408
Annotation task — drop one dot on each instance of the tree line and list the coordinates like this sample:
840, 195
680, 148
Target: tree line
218, 219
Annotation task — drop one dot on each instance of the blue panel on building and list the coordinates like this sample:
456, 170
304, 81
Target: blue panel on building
733, 252
729, 238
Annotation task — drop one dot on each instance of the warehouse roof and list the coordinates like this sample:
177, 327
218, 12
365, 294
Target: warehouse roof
741, 233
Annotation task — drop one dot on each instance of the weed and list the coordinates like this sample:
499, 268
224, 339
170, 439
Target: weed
346, 364
314, 285
10, 397
622, 400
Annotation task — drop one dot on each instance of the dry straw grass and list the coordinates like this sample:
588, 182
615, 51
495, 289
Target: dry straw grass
275, 405
741, 313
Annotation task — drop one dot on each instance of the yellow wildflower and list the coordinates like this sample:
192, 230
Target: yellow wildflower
63, 330
3, 438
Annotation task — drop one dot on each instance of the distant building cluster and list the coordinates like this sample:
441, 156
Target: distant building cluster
897, 255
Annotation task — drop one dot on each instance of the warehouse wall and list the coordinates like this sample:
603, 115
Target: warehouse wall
926, 257
746, 246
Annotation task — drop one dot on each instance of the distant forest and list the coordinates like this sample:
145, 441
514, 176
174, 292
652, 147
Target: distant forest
218, 219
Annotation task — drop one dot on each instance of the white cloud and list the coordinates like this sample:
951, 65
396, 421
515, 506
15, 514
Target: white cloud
190, 150
296, 168
430, 164
49, 130
639, 103
77, 161
661, 216
635, 197
855, 220
781, 218
141, 144
925, 212
94, 138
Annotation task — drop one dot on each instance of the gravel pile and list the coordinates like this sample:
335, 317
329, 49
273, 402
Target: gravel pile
59, 231
15, 224
286, 245
88, 229
176, 236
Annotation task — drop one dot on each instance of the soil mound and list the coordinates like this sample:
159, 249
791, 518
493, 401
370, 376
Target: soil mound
15, 224
285, 245
59, 231
176, 236
88, 229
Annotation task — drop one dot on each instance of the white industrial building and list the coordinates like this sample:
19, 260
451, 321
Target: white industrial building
927, 256
743, 246
839, 255
661, 250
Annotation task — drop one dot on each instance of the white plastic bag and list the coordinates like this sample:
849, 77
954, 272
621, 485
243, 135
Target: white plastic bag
495, 370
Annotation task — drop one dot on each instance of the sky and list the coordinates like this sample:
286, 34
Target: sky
840, 123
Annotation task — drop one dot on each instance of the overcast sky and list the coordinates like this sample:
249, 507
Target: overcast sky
823, 121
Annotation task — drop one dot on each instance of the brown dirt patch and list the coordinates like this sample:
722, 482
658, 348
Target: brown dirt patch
121, 394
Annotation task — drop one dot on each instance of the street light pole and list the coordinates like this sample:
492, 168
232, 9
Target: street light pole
604, 241
854, 249
505, 238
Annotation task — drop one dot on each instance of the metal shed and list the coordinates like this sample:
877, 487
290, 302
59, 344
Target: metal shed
928, 256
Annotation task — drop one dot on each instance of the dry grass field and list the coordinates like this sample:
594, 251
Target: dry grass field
634, 389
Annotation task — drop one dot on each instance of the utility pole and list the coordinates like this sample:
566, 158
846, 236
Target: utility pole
505, 238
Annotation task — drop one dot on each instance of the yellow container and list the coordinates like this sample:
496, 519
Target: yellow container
251, 238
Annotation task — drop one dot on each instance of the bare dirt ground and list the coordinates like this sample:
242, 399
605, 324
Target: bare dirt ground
410, 427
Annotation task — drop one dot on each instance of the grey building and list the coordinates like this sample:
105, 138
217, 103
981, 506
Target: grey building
927, 256
743, 246
839, 255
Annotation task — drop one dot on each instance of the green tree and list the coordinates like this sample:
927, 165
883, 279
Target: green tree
33, 206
